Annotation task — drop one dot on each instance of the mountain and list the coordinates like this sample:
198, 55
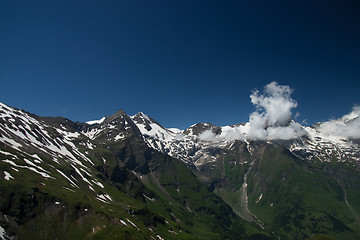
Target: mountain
128, 177
66, 180
295, 187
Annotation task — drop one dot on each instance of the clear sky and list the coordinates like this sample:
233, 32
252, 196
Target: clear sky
180, 62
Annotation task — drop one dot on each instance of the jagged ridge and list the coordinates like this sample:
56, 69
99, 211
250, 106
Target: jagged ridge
86, 158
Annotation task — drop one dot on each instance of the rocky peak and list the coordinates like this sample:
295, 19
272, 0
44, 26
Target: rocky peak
202, 127
147, 122
119, 115
143, 119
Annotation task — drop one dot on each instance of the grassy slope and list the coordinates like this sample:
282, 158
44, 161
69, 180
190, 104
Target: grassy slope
297, 203
150, 200
298, 198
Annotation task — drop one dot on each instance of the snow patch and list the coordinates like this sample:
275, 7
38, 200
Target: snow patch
3, 235
148, 198
261, 195
71, 182
8, 176
93, 133
123, 222
98, 183
45, 175
176, 130
8, 154
103, 197
96, 121
158, 236
81, 175
132, 224
118, 137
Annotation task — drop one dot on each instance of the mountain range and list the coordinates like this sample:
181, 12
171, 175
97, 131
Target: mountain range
128, 177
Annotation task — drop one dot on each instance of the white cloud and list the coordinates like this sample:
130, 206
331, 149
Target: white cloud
227, 133
272, 118
275, 103
255, 128
208, 135
348, 126
232, 133
294, 130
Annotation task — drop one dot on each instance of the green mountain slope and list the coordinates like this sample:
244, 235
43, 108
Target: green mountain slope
64, 185
291, 197
117, 180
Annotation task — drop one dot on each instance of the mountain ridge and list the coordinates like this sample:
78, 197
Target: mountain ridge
133, 158
78, 172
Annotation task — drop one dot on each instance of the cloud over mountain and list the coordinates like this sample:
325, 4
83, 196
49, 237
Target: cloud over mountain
272, 118
348, 126
275, 104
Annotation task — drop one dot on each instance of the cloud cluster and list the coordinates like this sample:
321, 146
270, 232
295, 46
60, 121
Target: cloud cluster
271, 120
227, 133
348, 126
274, 105
233, 133
209, 136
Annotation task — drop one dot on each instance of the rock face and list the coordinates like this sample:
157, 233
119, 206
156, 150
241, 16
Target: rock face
130, 176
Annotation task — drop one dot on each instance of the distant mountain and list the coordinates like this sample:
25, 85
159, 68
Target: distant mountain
128, 177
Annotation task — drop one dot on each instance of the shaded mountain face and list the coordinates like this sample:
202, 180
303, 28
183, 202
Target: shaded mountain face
128, 177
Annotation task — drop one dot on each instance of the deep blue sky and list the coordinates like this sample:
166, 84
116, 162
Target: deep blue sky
181, 62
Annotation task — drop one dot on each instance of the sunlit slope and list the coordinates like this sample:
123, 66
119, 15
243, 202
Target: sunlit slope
65, 180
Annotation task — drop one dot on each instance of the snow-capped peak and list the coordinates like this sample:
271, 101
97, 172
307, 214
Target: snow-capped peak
149, 127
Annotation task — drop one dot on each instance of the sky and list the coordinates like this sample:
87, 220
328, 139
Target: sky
180, 62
